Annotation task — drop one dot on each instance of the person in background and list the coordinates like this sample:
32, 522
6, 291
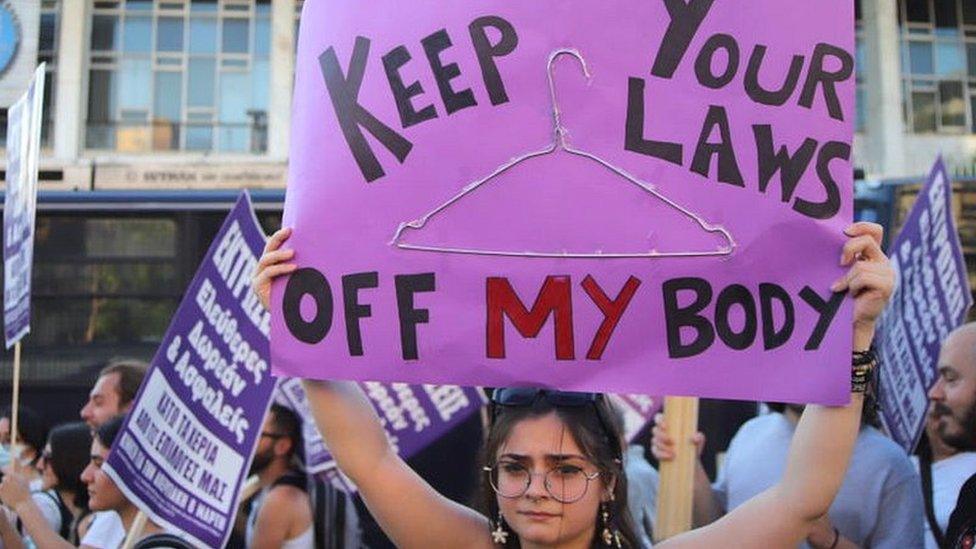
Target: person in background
32, 432
104, 494
113, 394
52, 514
942, 469
879, 503
114, 390
953, 401
281, 513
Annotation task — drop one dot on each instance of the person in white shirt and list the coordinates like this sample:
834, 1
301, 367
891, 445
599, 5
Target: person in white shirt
281, 513
104, 494
113, 394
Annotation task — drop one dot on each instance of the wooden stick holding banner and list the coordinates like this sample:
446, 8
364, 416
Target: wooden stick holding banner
135, 532
675, 496
15, 399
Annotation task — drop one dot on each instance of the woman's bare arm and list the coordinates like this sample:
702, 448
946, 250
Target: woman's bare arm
410, 512
824, 439
15, 494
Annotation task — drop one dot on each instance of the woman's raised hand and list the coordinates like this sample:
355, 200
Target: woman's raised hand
271, 265
870, 279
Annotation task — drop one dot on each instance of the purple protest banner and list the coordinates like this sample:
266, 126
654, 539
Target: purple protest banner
931, 299
414, 416
623, 197
637, 411
187, 444
19, 205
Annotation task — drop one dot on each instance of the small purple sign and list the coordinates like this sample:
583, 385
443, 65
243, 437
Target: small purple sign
19, 205
931, 299
414, 416
637, 412
188, 442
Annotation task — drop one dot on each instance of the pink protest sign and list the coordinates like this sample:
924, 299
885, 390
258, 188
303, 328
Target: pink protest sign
629, 196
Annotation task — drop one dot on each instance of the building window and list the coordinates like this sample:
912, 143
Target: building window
938, 58
179, 75
47, 52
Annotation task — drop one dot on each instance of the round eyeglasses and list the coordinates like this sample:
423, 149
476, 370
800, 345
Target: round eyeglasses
565, 483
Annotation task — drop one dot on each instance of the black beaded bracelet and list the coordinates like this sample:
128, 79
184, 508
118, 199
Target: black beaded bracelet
860, 358
862, 366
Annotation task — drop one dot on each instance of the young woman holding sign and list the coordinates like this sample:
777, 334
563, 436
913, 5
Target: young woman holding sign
553, 458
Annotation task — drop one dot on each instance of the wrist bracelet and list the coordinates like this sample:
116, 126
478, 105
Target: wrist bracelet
862, 365
860, 358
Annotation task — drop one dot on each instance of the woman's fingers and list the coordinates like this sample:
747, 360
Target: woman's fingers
861, 267
275, 271
277, 239
861, 247
264, 277
875, 231
276, 256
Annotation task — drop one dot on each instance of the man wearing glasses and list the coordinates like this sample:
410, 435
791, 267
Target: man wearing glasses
281, 513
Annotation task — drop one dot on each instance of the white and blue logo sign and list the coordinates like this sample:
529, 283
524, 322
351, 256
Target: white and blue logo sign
9, 35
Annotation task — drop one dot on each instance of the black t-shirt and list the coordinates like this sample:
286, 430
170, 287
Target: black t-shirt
961, 533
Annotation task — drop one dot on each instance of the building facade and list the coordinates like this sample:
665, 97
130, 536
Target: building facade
916, 66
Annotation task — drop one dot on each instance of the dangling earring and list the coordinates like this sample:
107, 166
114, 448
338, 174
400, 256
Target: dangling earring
609, 536
499, 535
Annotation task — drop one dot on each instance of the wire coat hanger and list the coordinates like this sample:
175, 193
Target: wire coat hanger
560, 143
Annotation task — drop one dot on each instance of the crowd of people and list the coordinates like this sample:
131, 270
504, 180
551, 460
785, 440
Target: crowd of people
556, 468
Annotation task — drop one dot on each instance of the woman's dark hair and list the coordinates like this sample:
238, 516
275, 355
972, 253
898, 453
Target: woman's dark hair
70, 453
107, 432
590, 432
32, 429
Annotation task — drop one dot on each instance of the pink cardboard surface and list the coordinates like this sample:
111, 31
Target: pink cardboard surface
675, 232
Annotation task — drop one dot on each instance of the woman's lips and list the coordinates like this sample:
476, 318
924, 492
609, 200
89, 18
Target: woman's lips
538, 515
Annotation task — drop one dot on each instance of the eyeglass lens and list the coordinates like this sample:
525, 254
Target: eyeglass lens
566, 483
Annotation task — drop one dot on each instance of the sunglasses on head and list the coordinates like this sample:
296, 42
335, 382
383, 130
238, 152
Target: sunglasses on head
518, 397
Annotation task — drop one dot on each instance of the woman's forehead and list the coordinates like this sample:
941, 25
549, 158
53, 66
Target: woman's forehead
540, 438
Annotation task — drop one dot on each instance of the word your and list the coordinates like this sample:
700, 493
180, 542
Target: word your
686, 18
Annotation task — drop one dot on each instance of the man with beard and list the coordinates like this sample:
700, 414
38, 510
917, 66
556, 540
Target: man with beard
879, 504
281, 513
943, 469
954, 406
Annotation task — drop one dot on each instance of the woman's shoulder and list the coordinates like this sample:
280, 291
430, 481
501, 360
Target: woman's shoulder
49, 504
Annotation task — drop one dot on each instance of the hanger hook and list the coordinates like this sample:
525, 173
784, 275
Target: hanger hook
558, 128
